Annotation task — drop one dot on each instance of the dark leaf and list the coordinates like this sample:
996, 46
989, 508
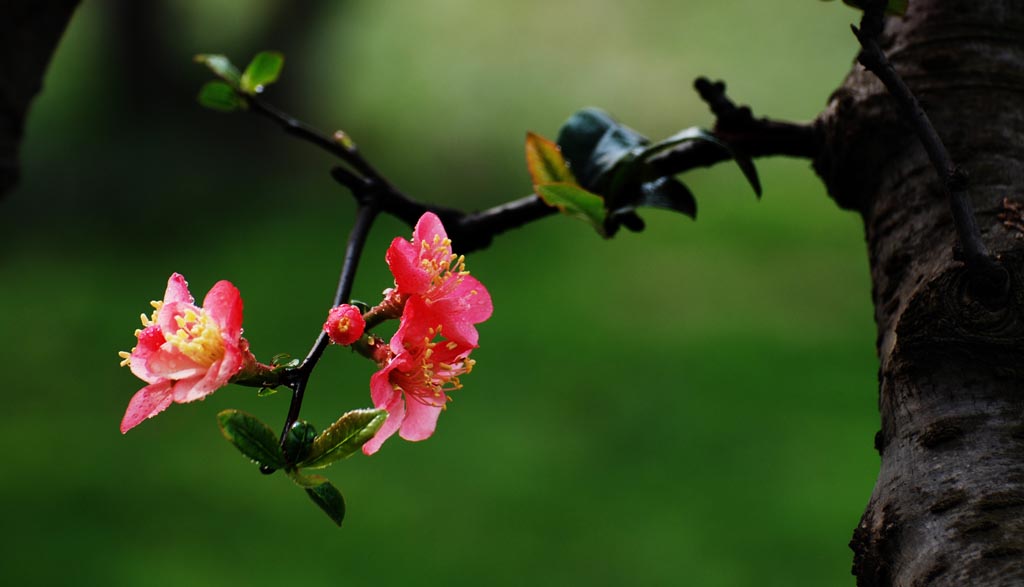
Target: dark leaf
594, 143
251, 437
343, 438
667, 193
745, 163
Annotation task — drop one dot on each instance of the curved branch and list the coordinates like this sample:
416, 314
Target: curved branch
471, 231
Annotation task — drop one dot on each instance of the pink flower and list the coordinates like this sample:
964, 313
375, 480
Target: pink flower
414, 381
441, 305
344, 324
185, 352
436, 281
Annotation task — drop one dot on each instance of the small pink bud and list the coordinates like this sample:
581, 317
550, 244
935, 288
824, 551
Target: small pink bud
344, 324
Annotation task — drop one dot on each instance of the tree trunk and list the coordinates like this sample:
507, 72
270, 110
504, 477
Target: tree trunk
948, 506
29, 32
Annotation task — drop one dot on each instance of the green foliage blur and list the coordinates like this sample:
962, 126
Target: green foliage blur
692, 405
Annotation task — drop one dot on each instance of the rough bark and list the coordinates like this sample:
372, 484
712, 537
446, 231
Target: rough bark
948, 506
29, 32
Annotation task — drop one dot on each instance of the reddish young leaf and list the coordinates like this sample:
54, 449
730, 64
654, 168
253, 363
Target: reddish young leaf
545, 162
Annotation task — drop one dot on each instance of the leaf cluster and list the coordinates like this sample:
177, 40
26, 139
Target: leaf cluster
303, 448
599, 171
228, 93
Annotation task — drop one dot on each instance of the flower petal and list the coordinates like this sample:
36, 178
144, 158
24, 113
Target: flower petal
404, 260
224, 305
150, 340
146, 403
177, 290
216, 376
167, 316
381, 390
427, 227
415, 325
396, 414
170, 363
475, 304
421, 418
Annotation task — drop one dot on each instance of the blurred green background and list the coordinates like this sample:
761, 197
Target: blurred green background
692, 405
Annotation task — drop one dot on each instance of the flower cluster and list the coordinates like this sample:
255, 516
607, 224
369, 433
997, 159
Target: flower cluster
441, 304
185, 352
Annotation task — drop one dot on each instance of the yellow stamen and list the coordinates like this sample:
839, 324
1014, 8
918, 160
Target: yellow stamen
198, 338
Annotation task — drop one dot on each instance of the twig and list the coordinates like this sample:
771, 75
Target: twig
472, 231
989, 276
298, 378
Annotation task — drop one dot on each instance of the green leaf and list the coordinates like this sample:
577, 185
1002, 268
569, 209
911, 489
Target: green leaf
329, 499
575, 202
545, 162
262, 71
895, 7
251, 437
298, 441
266, 391
220, 96
343, 438
222, 67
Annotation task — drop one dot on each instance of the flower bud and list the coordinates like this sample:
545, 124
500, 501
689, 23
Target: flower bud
344, 324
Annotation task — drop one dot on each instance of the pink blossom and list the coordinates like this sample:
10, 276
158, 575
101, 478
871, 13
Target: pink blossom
436, 280
344, 324
413, 383
185, 352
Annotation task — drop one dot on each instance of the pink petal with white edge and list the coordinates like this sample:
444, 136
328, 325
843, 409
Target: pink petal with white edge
403, 259
167, 316
420, 418
396, 413
146, 403
177, 290
150, 339
216, 377
170, 363
224, 305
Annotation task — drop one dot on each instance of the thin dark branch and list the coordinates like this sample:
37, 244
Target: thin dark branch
347, 152
471, 231
990, 276
736, 125
299, 377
